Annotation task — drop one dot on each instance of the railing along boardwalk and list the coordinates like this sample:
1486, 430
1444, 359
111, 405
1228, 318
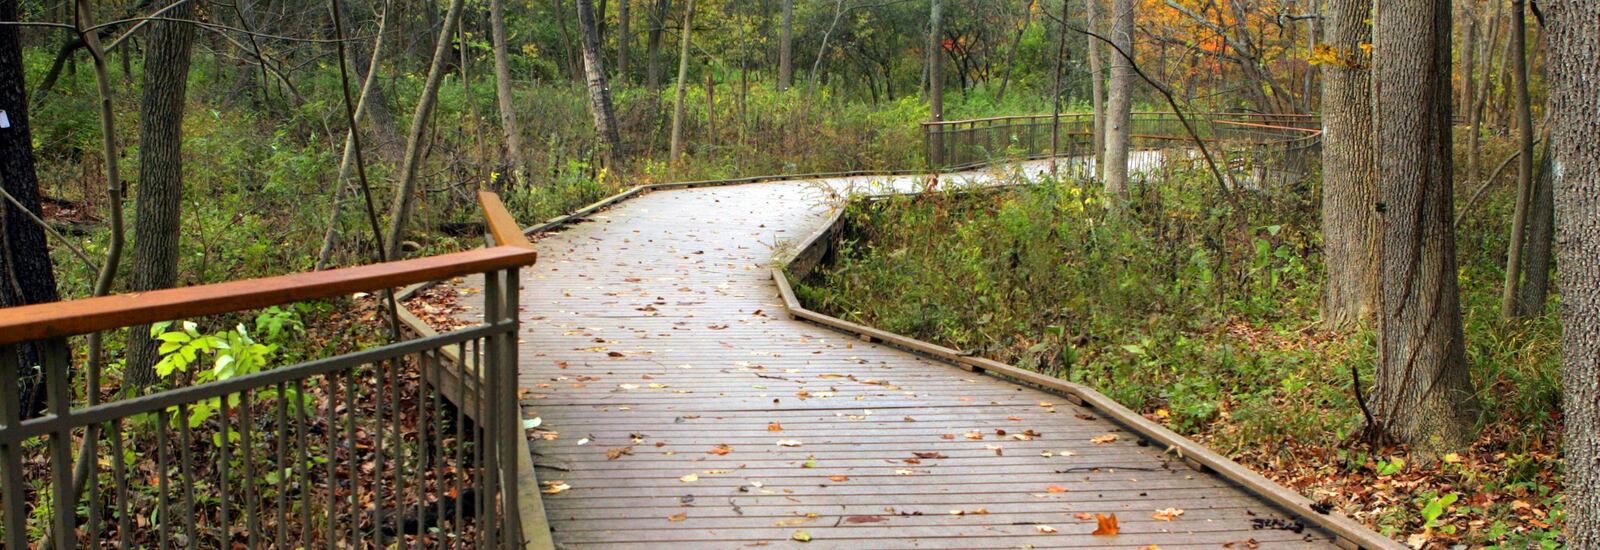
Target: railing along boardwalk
363, 449
679, 406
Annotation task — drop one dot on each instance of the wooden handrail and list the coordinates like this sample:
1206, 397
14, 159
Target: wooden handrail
58, 319
501, 225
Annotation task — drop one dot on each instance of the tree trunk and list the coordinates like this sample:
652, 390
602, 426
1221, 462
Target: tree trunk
1469, 58
405, 188
605, 119
159, 196
1424, 392
1011, 54
786, 47
1519, 218
1349, 219
683, 80
624, 41
936, 75
1536, 250
1097, 83
502, 88
1572, 45
1119, 105
26, 274
368, 100
652, 45
366, 59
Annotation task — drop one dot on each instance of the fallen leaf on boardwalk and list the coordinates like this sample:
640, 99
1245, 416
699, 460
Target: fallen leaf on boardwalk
774, 427
801, 536
792, 522
1055, 489
974, 435
1046, 454
1168, 514
864, 519
809, 463
628, 386
1045, 528
1108, 525
1083, 515
840, 479
680, 516
933, 454
904, 472
947, 436
788, 443
1103, 439
719, 450
614, 354
691, 478
1014, 418
613, 454
1151, 547
553, 487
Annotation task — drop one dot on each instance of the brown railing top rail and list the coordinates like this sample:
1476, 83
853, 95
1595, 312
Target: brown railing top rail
57, 319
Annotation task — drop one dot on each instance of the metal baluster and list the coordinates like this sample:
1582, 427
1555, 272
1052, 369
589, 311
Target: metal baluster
422, 444
225, 521
164, 510
119, 475
350, 448
11, 483
488, 366
186, 462
302, 460
281, 472
380, 372
251, 522
513, 441
331, 535
461, 441
58, 397
399, 488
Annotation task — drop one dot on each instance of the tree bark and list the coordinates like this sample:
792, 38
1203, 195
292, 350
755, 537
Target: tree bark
1424, 392
1537, 249
1469, 58
502, 88
1349, 219
1519, 218
400, 209
1097, 80
652, 44
786, 47
605, 119
1572, 46
367, 60
683, 79
26, 274
624, 41
936, 75
159, 197
1119, 105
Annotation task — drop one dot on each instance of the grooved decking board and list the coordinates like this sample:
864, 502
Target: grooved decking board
655, 327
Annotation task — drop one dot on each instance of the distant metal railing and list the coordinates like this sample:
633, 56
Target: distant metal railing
1259, 147
393, 449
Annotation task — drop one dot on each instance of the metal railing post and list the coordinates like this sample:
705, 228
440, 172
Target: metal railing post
512, 440
14, 507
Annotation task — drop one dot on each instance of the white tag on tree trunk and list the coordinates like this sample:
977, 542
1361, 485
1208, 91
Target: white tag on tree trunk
5, 121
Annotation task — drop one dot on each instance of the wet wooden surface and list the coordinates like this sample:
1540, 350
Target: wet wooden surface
683, 409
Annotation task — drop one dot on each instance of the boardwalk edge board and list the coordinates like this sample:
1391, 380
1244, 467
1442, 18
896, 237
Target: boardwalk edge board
809, 253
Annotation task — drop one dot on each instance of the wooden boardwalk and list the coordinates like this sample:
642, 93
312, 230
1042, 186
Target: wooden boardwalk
682, 408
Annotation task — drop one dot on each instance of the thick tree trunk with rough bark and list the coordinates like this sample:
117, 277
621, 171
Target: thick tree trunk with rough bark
1349, 218
26, 274
400, 209
1519, 218
605, 119
1572, 46
1424, 393
786, 47
502, 87
652, 44
683, 81
1097, 86
159, 193
1119, 106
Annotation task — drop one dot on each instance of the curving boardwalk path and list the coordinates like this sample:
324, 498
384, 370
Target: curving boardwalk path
684, 409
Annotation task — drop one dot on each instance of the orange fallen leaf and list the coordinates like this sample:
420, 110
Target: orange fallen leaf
840, 479
720, 449
1168, 514
1083, 515
1151, 547
1108, 525
680, 516
1103, 439
774, 427
1055, 489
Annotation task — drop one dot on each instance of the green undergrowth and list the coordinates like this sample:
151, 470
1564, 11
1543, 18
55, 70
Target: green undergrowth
1206, 318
